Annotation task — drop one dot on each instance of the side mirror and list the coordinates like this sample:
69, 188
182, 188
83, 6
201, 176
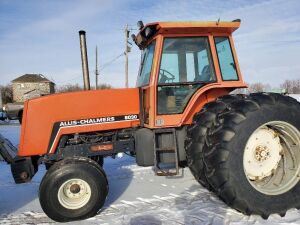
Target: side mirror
140, 25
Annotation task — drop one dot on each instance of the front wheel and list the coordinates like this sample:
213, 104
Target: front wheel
252, 160
73, 189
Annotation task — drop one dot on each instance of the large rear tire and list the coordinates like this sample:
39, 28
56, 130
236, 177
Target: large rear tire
252, 159
73, 189
197, 135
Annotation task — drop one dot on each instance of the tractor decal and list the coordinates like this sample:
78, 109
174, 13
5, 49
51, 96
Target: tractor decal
86, 122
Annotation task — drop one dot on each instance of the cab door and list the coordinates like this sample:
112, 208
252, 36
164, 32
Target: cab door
143, 82
186, 66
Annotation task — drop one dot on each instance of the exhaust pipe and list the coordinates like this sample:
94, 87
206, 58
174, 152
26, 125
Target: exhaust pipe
84, 60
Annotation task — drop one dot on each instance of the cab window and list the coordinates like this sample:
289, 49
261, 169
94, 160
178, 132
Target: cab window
226, 62
146, 65
186, 65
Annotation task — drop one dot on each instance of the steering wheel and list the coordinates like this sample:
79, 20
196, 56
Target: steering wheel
165, 76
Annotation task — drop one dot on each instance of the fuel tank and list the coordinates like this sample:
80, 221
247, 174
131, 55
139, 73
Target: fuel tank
47, 118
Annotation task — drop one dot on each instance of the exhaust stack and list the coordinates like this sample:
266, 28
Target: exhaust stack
84, 60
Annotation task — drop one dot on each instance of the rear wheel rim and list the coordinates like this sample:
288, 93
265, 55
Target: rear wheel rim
271, 158
74, 194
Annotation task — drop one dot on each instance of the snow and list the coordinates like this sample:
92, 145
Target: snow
296, 96
136, 197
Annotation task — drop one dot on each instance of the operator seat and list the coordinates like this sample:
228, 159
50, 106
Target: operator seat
205, 74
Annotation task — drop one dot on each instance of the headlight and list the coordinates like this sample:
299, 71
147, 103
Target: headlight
4, 108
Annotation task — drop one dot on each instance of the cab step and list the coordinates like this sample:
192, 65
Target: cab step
165, 152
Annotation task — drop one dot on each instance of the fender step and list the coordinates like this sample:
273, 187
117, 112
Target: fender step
7, 150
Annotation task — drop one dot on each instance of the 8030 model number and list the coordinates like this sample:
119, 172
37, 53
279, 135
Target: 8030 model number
131, 117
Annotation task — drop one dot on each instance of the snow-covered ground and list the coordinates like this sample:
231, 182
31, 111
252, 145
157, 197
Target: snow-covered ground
296, 96
136, 197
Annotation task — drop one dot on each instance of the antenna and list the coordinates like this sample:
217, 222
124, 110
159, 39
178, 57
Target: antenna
126, 30
96, 70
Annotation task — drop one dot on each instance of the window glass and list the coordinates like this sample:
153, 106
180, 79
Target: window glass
185, 61
227, 65
173, 99
169, 67
146, 65
190, 66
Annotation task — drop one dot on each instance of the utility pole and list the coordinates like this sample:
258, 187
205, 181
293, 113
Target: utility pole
127, 49
96, 70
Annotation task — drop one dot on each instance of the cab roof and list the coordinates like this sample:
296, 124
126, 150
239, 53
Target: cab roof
205, 26
150, 30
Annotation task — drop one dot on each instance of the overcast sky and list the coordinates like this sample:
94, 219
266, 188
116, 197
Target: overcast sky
39, 36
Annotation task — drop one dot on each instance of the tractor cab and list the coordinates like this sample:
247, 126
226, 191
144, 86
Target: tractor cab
182, 62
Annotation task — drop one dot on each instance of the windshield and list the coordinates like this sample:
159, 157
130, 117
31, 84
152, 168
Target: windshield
186, 59
146, 65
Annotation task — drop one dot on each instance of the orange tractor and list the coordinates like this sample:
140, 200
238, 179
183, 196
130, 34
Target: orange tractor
244, 148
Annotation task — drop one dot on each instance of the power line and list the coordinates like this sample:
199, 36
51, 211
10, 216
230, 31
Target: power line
127, 50
74, 78
100, 69
111, 61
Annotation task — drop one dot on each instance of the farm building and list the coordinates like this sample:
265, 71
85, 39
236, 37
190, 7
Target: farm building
31, 85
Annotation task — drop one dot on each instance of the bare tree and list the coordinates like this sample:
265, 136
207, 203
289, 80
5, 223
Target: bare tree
256, 87
6, 93
291, 86
104, 86
68, 88
77, 87
296, 86
287, 86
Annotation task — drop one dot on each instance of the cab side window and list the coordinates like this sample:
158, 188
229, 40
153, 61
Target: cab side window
226, 62
146, 65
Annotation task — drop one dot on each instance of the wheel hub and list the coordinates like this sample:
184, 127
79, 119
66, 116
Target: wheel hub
75, 188
74, 193
271, 158
262, 154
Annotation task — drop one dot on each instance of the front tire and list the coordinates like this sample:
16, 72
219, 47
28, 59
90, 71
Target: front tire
73, 189
252, 160
98, 159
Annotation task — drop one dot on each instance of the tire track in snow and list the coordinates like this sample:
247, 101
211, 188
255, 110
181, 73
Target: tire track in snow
189, 207
140, 205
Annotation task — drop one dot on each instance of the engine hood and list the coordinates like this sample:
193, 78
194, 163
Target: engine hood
46, 118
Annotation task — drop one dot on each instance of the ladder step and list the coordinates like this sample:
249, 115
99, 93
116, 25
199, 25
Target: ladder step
167, 166
165, 150
163, 131
166, 173
167, 169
